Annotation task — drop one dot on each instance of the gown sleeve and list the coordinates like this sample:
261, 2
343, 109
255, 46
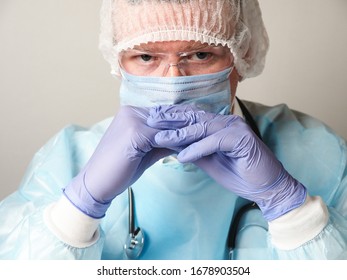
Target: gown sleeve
317, 157
328, 243
325, 176
23, 232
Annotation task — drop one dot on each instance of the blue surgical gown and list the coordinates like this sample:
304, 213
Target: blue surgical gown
184, 214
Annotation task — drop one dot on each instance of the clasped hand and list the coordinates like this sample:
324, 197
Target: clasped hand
223, 146
227, 149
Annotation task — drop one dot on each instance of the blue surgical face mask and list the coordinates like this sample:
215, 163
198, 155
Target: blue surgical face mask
209, 92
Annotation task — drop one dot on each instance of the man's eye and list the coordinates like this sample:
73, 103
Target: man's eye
201, 56
146, 57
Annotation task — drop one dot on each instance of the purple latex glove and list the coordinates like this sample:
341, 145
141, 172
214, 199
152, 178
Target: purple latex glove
125, 151
227, 149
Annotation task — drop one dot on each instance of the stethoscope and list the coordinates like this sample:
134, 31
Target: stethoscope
136, 239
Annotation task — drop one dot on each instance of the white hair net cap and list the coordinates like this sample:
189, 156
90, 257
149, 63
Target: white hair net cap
237, 24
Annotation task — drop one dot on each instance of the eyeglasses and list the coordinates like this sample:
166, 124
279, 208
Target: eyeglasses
205, 60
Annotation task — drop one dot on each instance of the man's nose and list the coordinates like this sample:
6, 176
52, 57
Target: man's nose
174, 70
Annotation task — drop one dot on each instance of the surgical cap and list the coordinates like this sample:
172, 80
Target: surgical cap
236, 24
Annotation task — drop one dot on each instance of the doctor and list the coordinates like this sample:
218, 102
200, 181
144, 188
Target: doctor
167, 177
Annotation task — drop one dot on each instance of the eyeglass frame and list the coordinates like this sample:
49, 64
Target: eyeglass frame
135, 53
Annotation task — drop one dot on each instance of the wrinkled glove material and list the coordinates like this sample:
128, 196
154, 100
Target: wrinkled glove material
125, 151
227, 149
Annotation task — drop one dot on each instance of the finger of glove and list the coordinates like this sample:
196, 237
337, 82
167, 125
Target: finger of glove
176, 116
197, 150
172, 108
240, 149
155, 155
147, 161
230, 136
192, 133
130, 129
125, 143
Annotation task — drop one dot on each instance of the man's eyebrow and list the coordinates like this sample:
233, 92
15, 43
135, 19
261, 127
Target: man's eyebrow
146, 48
186, 48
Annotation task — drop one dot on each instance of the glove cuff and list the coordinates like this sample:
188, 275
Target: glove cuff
287, 194
78, 195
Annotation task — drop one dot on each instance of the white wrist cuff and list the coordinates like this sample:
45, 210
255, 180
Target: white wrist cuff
71, 225
299, 225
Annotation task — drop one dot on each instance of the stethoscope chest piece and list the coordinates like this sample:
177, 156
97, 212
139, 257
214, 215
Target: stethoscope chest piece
134, 244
